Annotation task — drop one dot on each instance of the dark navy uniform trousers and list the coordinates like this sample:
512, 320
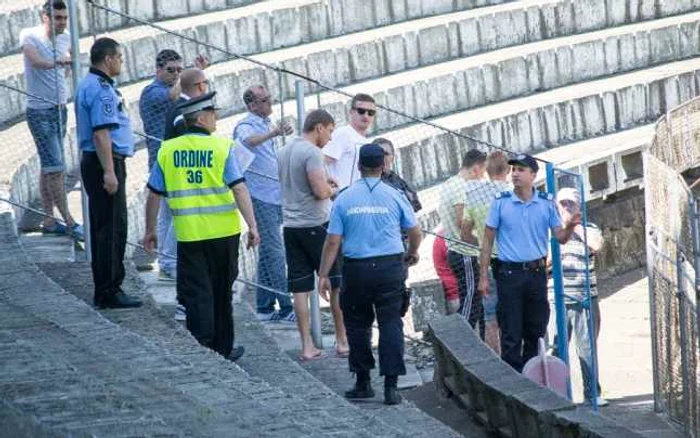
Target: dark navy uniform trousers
374, 286
522, 310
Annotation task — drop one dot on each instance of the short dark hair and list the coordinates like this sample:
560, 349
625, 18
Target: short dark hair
55, 4
381, 141
361, 97
473, 157
165, 56
317, 117
102, 48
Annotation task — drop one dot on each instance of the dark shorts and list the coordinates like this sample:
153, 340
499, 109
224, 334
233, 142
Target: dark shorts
48, 127
303, 247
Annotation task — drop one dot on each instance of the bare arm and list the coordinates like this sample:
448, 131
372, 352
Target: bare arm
245, 205
331, 247
415, 236
150, 240
466, 232
329, 160
320, 186
36, 61
459, 214
486, 251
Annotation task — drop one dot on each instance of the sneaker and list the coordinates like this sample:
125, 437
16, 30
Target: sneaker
236, 354
267, 317
291, 318
78, 232
180, 313
166, 276
57, 228
600, 401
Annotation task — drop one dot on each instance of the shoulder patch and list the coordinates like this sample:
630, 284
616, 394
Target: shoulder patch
107, 105
506, 194
545, 195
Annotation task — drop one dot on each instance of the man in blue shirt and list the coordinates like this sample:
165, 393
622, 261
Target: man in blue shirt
520, 220
105, 138
257, 134
368, 217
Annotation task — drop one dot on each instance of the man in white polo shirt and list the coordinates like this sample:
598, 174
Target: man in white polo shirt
343, 150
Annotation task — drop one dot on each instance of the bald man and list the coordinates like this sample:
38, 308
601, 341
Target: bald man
193, 83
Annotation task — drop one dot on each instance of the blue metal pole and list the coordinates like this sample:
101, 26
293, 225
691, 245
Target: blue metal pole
562, 336
587, 302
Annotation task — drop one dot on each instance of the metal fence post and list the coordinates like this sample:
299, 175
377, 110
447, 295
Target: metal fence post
695, 227
562, 336
315, 304
75, 76
682, 318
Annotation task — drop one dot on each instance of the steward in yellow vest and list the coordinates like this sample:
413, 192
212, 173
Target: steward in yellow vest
204, 187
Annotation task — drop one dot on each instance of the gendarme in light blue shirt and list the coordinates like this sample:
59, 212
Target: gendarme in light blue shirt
98, 105
370, 215
522, 228
265, 162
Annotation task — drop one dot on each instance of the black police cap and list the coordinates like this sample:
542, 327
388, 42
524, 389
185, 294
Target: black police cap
525, 160
201, 103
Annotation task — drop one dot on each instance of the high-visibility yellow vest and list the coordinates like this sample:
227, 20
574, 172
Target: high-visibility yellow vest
203, 206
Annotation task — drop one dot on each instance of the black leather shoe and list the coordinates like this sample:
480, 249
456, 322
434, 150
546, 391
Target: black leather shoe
236, 354
391, 396
119, 300
360, 390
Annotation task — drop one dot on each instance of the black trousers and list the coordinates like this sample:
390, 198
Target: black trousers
206, 271
522, 312
374, 286
108, 225
466, 270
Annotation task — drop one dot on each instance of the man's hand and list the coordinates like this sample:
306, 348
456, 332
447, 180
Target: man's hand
483, 285
572, 220
452, 306
201, 62
324, 288
110, 182
253, 238
63, 61
283, 128
150, 241
411, 259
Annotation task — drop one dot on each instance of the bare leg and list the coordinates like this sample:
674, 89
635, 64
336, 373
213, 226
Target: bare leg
301, 308
46, 199
341, 339
493, 336
57, 188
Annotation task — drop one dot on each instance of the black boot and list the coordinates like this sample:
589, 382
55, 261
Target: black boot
362, 388
391, 391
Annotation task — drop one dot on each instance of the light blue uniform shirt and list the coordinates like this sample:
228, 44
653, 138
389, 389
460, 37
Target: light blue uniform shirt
370, 215
522, 228
232, 172
265, 162
98, 105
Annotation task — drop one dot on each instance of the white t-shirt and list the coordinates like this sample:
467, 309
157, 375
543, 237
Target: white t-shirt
344, 147
48, 85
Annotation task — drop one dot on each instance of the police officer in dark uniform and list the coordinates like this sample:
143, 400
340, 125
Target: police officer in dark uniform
368, 217
105, 139
520, 221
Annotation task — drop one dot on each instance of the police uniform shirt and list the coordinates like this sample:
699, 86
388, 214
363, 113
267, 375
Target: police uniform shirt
232, 172
98, 105
369, 215
522, 228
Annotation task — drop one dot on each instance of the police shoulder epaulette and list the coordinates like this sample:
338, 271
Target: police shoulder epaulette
103, 82
545, 195
506, 194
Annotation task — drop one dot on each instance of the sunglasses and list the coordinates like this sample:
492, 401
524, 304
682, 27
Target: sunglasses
363, 111
174, 69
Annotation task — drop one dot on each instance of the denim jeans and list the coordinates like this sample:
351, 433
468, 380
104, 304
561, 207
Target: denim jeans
577, 322
48, 128
271, 259
167, 242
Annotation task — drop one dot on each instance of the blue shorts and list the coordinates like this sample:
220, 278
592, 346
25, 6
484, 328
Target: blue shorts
49, 130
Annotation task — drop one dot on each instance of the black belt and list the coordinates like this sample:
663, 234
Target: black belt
523, 266
115, 155
386, 258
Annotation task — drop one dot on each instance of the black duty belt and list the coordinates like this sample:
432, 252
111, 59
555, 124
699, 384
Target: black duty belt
115, 155
386, 258
523, 266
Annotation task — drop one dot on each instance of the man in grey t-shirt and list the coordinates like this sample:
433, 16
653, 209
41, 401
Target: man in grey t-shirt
46, 50
306, 194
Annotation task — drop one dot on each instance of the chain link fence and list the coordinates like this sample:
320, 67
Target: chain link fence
672, 251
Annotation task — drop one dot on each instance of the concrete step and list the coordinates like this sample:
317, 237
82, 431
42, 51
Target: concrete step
545, 120
17, 15
116, 373
260, 27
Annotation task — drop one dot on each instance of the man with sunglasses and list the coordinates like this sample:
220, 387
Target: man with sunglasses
155, 103
342, 153
258, 135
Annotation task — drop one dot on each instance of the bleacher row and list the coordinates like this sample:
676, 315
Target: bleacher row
526, 75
